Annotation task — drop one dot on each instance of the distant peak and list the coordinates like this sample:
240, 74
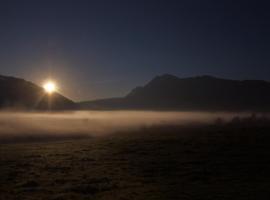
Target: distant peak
165, 77
169, 77
206, 77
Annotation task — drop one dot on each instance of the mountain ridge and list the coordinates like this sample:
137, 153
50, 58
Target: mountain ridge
19, 94
164, 92
168, 92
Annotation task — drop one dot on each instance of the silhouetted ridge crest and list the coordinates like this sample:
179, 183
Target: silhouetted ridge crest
164, 77
168, 92
17, 93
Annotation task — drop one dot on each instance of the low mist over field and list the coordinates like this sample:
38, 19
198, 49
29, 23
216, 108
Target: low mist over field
38, 126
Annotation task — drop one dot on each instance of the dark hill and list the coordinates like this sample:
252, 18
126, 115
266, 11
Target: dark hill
168, 92
20, 94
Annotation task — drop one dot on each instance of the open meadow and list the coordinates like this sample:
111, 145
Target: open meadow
217, 160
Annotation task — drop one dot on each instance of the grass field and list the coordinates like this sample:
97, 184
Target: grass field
159, 162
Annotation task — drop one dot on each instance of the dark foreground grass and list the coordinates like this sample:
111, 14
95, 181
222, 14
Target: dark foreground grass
229, 161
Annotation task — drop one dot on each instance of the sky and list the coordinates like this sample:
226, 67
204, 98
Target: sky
104, 48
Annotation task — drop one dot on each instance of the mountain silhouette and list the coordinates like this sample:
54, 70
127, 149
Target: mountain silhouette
18, 94
206, 93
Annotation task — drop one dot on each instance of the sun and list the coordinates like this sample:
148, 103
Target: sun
49, 87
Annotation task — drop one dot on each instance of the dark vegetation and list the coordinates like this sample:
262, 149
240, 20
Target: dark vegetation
222, 160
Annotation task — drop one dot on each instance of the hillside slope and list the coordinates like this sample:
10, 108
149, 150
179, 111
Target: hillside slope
168, 92
19, 94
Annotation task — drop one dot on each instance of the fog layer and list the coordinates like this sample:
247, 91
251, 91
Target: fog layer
38, 126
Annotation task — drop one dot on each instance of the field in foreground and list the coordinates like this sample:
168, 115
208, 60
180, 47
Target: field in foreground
169, 162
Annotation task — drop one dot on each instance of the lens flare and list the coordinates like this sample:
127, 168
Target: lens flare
49, 87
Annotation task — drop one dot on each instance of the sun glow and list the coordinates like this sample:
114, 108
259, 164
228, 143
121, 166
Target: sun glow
49, 87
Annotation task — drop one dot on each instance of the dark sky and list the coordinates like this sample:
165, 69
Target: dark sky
104, 48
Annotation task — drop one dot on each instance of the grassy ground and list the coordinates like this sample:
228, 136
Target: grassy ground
205, 162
